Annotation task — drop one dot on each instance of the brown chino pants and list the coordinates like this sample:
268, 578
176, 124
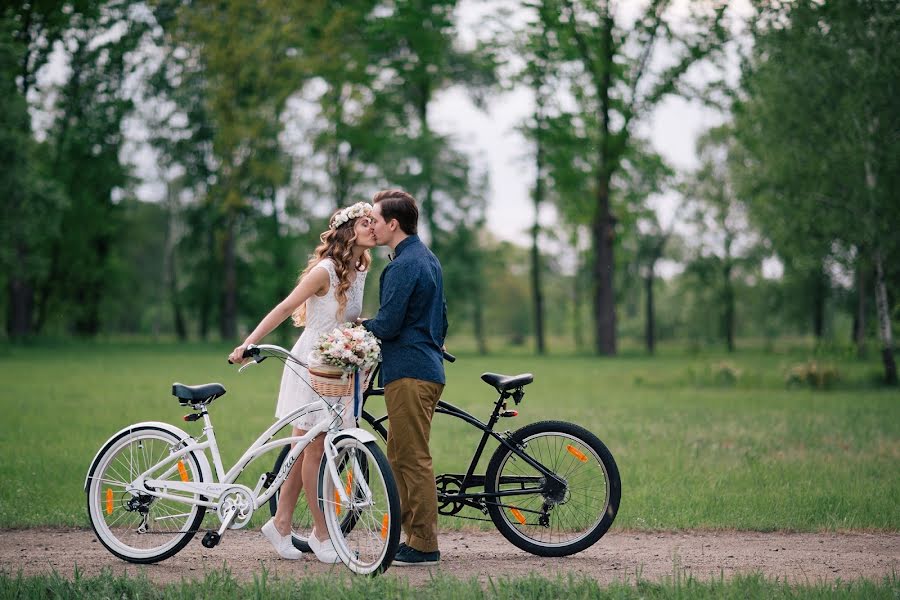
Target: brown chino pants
410, 406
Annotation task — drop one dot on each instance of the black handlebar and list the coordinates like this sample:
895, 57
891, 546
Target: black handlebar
248, 353
252, 351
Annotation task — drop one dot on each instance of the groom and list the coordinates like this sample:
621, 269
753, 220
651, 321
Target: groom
411, 324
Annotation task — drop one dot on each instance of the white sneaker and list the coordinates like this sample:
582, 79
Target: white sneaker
324, 551
282, 543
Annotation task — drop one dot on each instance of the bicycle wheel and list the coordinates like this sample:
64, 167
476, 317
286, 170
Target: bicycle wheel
365, 530
553, 519
301, 520
138, 527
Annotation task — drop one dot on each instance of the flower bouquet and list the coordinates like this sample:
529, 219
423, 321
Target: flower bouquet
338, 355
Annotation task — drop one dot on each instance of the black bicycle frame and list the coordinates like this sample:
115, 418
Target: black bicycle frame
470, 479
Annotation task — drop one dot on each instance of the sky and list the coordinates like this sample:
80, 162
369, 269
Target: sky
490, 136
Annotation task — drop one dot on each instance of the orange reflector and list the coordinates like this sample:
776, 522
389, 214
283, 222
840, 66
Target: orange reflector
384, 527
518, 515
576, 453
182, 471
349, 482
109, 501
337, 503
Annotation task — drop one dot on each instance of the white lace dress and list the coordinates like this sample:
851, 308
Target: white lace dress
321, 317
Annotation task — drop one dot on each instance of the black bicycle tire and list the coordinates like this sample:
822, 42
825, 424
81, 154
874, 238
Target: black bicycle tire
613, 481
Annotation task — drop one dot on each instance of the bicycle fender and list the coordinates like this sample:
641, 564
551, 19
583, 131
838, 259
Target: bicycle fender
355, 432
176, 431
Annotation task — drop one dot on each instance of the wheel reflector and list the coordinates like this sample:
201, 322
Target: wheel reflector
576, 453
337, 503
384, 527
109, 501
182, 471
349, 482
518, 515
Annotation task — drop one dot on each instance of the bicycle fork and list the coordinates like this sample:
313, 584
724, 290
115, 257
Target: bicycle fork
356, 476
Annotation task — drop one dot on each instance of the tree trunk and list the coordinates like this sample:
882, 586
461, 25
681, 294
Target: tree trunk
820, 295
478, 321
577, 330
603, 232
536, 291
728, 308
884, 323
206, 295
859, 318
171, 274
603, 226
228, 318
650, 325
20, 298
90, 296
427, 158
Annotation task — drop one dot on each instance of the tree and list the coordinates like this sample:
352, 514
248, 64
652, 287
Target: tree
249, 57
82, 149
727, 248
615, 82
415, 50
33, 198
818, 119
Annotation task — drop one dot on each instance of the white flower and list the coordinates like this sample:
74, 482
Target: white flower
348, 347
360, 209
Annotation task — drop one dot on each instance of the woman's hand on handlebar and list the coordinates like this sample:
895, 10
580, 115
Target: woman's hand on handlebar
237, 355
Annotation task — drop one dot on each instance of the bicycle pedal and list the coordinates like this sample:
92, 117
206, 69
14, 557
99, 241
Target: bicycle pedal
211, 539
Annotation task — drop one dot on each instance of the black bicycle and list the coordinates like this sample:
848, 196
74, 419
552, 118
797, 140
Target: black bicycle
551, 488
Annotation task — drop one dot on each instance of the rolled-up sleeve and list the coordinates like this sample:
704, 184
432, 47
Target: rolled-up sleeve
397, 289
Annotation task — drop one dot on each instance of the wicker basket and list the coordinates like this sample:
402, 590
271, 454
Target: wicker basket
326, 380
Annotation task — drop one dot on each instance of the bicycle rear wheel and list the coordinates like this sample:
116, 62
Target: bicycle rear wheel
134, 526
541, 516
365, 529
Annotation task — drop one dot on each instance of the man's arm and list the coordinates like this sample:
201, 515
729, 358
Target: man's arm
397, 288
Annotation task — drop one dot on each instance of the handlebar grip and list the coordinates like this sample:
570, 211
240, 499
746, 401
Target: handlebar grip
449, 357
249, 352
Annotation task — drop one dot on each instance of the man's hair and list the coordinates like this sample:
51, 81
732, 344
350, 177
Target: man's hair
397, 204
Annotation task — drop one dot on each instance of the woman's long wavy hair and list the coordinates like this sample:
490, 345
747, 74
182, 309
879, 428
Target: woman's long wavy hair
337, 244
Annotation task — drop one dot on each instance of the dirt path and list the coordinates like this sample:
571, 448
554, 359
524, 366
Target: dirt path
800, 557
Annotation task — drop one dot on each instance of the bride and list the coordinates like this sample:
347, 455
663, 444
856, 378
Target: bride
329, 292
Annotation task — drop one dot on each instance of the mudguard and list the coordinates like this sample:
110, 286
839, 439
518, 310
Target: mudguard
179, 433
355, 432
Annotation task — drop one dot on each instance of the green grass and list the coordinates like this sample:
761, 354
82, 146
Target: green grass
221, 585
694, 450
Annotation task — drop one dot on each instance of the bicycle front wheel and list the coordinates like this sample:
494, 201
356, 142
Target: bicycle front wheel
364, 528
544, 516
136, 526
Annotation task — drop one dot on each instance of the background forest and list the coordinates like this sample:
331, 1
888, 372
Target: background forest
250, 122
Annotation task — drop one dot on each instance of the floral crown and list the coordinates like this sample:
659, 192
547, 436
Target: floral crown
360, 209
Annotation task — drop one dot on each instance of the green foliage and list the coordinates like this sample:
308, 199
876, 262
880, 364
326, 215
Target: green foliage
817, 123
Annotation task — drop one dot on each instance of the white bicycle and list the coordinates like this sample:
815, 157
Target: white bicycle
150, 485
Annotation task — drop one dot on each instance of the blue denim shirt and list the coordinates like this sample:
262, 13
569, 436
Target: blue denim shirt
412, 319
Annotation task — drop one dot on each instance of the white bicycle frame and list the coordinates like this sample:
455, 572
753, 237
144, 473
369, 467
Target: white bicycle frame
160, 486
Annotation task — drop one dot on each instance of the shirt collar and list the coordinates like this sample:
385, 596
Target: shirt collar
406, 242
